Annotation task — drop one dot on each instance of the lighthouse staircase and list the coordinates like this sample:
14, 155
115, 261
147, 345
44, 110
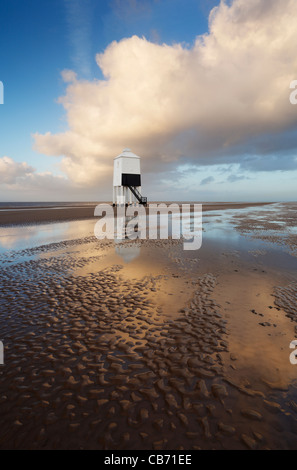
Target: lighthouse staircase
142, 200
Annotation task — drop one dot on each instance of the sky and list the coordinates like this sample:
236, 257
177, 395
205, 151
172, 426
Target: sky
199, 89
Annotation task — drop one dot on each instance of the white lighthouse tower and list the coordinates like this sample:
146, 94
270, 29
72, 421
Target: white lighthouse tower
127, 179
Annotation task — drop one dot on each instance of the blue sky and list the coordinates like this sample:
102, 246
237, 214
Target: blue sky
192, 158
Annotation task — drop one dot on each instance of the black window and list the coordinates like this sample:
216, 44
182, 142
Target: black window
131, 180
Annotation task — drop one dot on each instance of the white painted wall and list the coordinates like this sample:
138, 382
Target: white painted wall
127, 162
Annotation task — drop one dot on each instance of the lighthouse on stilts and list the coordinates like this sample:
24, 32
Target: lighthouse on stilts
127, 180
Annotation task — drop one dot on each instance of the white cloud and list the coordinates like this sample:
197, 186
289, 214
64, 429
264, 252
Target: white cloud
172, 104
10, 170
21, 180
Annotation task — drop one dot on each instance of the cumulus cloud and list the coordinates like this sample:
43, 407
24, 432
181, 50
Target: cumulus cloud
171, 104
10, 170
20, 179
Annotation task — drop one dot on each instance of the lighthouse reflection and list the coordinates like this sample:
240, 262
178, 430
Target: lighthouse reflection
128, 253
125, 246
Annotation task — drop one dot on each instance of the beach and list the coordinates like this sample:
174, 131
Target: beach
140, 344
16, 215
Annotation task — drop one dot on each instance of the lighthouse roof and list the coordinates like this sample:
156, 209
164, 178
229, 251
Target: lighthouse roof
128, 154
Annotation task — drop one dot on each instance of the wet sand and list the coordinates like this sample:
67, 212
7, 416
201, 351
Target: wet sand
171, 350
29, 215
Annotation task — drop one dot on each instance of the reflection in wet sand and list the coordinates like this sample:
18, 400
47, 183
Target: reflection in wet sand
141, 345
128, 253
29, 236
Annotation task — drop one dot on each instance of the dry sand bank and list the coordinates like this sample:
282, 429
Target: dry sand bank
174, 350
41, 215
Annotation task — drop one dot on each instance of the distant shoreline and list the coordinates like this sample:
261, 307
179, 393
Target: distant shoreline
26, 215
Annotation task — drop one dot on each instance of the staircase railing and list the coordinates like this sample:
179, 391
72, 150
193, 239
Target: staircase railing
142, 200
